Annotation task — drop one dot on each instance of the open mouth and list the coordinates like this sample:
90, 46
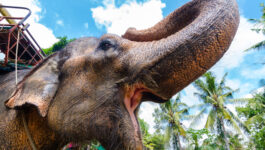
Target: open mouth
133, 98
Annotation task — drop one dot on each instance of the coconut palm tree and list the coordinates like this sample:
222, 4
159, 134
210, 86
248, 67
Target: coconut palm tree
168, 117
254, 112
259, 27
214, 97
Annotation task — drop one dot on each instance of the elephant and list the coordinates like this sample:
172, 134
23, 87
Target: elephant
92, 88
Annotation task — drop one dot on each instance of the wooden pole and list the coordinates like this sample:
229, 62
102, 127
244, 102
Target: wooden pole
5, 13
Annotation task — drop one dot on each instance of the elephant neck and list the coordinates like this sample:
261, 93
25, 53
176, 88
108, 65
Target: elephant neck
42, 136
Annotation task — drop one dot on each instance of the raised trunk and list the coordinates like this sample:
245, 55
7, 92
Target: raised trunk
184, 45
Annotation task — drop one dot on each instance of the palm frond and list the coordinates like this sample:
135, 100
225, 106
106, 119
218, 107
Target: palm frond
201, 86
201, 97
210, 81
258, 30
255, 119
182, 131
222, 82
184, 111
239, 122
210, 100
198, 106
179, 104
198, 117
258, 46
255, 20
237, 101
211, 119
168, 104
227, 88
234, 125
225, 114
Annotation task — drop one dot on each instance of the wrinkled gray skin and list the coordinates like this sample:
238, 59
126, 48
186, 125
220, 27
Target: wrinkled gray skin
91, 89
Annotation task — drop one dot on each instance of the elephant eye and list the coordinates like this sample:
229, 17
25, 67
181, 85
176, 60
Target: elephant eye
106, 44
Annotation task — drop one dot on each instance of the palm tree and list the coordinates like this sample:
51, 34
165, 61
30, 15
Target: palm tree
256, 117
168, 117
150, 141
259, 27
214, 97
254, 112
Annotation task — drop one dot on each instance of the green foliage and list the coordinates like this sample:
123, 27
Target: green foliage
212, 142
259, 138
194, 136
168, 118
254, 112
235, 142
58, 45
151, 141
158, 140
144, 126
214, 97
259, 27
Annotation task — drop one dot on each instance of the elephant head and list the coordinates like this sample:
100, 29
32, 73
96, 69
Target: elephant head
93, 87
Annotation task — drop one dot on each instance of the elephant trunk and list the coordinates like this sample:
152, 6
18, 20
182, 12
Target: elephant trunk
184, 45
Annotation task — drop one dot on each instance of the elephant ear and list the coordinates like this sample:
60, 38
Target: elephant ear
38, 87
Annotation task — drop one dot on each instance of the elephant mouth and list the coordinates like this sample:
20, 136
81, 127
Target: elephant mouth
132, 101
133, 98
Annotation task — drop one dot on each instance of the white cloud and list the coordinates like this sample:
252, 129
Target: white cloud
257, 91
234, 84
60, 22
253, 74
43, 35
146, 111
131, 14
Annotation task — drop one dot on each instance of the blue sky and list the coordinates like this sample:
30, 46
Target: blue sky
78, 18
74, 14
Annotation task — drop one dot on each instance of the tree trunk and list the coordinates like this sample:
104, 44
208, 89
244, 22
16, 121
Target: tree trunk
176, 142
223, 132
196, 144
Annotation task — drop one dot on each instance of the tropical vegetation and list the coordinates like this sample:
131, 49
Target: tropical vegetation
259, 28
215, 97
151, 141
254, 112
168, 117
63, 41
228, 126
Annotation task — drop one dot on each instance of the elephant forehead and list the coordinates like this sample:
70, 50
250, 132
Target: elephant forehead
82, 46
